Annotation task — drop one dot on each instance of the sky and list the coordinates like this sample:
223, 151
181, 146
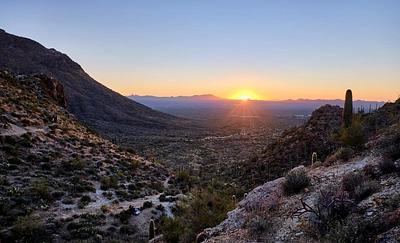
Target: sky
284, 49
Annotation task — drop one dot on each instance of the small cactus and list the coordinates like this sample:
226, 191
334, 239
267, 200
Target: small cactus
313, 158
152, 229
348, 109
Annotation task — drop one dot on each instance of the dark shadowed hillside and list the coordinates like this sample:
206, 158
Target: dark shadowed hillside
296, 145
93, 103
59, 181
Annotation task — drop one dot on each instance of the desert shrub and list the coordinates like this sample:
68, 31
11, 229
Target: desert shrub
351, 180
330, 207
393, 202
392, 152
79, 184
387, 166
86, 225
147, 204
184, 177
128, 229
25, 141
172, 229
353, 136
4, 206
334, 204
295, 181
104, 208
40, 188
108, 182
342, 154
131, 165
4, 181
365, 189
125, 215
371, 171
184, 180
157, 185
127, 149
356, 228
160, 207
30, 229
258, 225
84, 201
75, 164
206, 208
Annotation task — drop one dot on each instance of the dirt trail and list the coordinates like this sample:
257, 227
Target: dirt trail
99, 200
14, 130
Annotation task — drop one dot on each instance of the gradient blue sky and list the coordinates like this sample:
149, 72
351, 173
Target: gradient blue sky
278, 49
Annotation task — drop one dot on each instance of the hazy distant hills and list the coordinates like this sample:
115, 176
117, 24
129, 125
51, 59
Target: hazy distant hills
90, 101
175, 104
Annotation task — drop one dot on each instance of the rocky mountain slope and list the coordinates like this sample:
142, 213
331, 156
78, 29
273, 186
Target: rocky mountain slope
294, 147
59, 180
101, 108
354, 201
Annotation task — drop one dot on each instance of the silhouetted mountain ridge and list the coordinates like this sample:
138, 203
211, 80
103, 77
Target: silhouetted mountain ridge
212, 102
90, 101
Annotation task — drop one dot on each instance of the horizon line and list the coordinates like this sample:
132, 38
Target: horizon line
273, 100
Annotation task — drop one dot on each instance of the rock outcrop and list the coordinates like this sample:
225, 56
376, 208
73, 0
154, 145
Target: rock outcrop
53, 88
288, 223
295, 146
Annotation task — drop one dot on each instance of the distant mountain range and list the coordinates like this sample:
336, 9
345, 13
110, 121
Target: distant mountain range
91, 102
213, 102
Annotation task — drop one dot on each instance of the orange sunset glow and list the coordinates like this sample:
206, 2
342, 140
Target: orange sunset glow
245, 95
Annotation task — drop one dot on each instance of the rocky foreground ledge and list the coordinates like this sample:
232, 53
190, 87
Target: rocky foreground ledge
287, 220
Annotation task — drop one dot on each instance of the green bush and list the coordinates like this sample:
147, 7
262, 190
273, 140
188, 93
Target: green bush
258, 225
172, 229
295, 181
124, 216
147, 204
84, 201
75, 164
342, 154
40, 188
108, 182
365, 189
353, 136
30, 229
206, 208
351, 180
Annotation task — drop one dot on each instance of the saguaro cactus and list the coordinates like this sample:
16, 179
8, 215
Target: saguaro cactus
313, 158
348, 109
152, 229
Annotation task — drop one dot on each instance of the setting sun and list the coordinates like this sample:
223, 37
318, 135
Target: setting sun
245, 95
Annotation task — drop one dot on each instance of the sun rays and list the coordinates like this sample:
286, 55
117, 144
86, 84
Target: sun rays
245, 95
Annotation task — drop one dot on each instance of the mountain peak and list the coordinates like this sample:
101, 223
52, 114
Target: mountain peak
88, 100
